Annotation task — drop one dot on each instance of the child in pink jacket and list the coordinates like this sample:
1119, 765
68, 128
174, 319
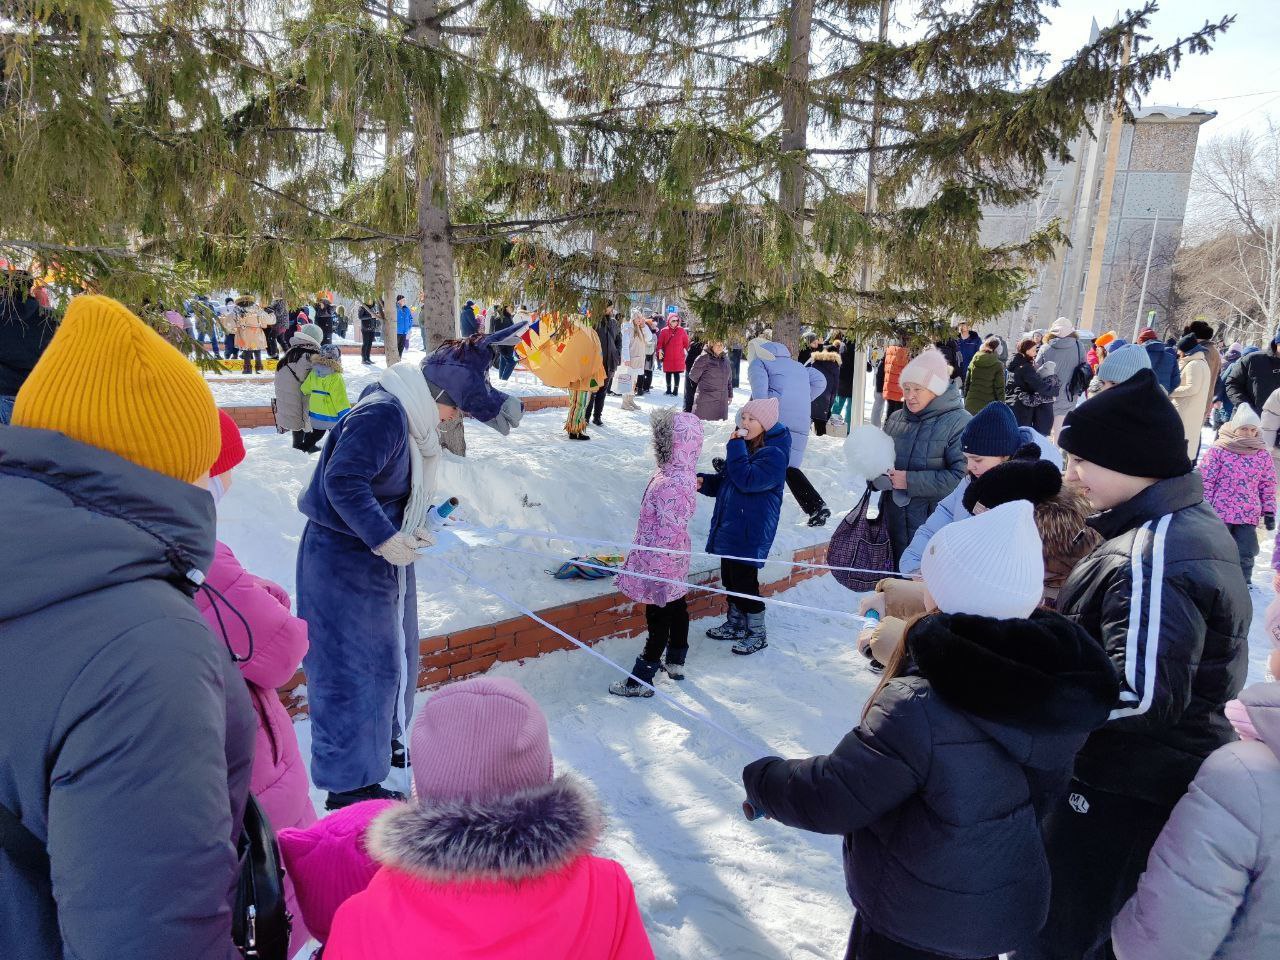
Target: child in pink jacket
1240, 482
665, 512
252, 616
493, 857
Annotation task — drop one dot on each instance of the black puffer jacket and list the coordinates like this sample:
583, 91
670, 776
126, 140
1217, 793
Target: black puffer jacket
939, 791
1181, 650
1253, 379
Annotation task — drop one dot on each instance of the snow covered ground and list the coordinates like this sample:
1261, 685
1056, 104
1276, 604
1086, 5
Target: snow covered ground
710, 884
535, 478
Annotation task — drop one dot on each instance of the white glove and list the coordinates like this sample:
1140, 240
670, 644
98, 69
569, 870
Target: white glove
424, 537
400, 551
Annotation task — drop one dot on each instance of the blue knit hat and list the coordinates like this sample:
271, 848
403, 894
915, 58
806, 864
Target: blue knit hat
993, 432
1122, 364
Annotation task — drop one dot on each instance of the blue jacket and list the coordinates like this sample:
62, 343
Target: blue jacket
467, 321
404, 319
748, 496
796, 387
952, 508
1164, 361
966, 349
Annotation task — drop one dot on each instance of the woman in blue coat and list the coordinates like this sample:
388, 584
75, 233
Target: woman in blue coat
366, 509
748, 492
772, 373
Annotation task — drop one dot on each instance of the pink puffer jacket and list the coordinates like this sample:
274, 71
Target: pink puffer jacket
668, 505
1239, 487
279, 779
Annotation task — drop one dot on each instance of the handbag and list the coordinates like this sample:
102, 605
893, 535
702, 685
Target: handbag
260, 924
837, 427
862, 543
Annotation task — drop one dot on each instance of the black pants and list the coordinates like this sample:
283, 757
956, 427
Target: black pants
646, 381
673, 384
891, 407
366, 345
742, 578
668, 631
810, 500
735, 362
690, 388
273, 350
229, 347
402, 343
1098, 845
866, 944
1246, 538
251, 358
820, 427
308, 440
596, 408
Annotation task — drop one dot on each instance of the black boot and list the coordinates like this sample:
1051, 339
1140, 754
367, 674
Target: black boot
820, 517
345, 798
399, 759
644, 670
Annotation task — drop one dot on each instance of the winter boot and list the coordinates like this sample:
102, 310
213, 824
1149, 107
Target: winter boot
399, 759
629, 403
734, 628
754, 639
248, 364
644, 670
578, 436
258, 364
819, 517
673, 670
345, 798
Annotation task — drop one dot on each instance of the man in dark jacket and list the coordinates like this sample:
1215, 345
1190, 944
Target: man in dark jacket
467, 320
26, 328
968, 344
611, 349
1254, 377
324, 318
1165, 595
126, 732
1164, 360
368, 315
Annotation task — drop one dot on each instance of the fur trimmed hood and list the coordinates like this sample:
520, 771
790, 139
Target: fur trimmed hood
829, 355
520, 837
1037, 686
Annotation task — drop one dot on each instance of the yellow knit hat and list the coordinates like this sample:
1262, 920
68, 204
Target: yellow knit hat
109, 380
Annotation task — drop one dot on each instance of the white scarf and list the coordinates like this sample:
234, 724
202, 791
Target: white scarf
405, 382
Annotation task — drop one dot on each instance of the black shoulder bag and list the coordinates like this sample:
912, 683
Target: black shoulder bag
260, 925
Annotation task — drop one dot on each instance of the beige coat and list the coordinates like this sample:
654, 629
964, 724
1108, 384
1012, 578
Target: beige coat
1191, 396
253, 320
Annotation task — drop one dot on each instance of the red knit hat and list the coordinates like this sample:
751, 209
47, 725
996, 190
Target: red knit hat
1147, 334
232, 451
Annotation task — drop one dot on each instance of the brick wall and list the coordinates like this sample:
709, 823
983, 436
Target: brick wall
452, 656
246, 418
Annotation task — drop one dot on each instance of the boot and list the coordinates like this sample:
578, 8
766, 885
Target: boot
248, 364
644, 670
673, 670
578, 436
345, 798
399, 759
629, 403
258, 364
753, 640
820, 517
734, 627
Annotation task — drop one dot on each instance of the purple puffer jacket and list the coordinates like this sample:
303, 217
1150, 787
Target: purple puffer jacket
462, 371
669, 502
1239, 487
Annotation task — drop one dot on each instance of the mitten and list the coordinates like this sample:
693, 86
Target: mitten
400, 551
1270, 520
508, 416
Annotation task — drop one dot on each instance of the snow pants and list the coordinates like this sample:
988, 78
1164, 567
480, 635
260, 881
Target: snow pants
668, 631
1098, 844
740, 577
866, 944
362, 657
1246, 538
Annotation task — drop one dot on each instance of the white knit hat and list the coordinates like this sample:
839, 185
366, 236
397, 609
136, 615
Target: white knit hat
929, 370
988, 565
1245, 417
1062, 327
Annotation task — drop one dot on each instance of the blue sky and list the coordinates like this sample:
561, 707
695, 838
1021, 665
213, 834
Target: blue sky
1240, 78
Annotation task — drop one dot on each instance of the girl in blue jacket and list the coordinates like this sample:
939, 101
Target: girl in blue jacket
748, 492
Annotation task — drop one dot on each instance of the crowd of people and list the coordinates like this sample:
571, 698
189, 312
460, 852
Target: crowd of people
1058, 760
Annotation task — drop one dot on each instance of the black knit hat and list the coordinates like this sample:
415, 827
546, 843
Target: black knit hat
1034, 480
1131, 428
992, 432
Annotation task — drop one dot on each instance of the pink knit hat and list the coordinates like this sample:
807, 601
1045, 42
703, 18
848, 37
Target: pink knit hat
929, 370
765, 411
479, 740
328, 862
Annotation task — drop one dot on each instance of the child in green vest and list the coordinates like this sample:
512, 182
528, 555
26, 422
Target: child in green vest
325, 390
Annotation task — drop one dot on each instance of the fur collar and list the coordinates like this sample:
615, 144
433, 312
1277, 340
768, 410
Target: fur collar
829, 355
520, 837
1042, 672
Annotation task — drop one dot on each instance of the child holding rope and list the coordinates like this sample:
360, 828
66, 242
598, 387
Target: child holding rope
665, 512
970, 736
748, 492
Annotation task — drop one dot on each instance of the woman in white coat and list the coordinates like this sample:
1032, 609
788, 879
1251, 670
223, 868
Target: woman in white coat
634, 345
1191, 395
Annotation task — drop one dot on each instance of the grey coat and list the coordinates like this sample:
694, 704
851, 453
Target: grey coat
1212, 886
292, 409
1068, 353
927, 446
712, 376
126, 732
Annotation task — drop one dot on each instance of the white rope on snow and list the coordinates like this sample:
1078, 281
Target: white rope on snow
751, 749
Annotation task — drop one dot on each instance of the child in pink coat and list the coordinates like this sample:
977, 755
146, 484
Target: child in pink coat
1240, 482
665, 512
252, 615
493, 858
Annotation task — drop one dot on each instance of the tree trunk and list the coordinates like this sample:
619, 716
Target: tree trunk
793, 177
434, 248
384, 279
